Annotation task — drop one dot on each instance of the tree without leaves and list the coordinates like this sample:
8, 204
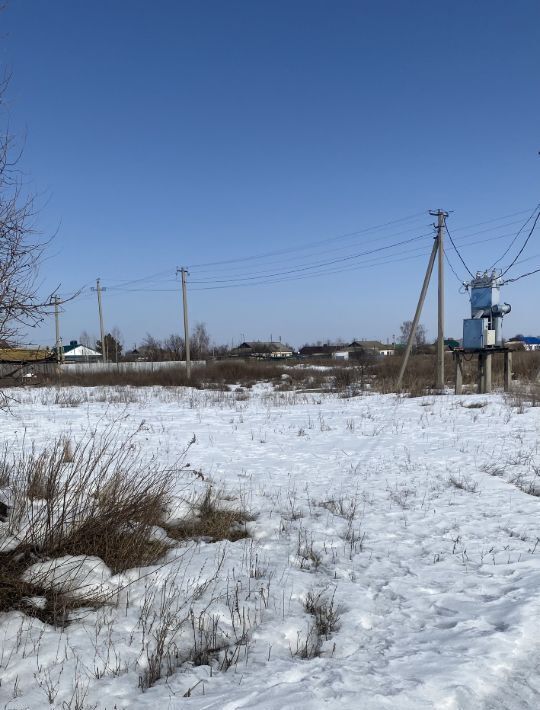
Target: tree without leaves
405, 331
86, 339
21, 306
174, 347
152, 349
199, 342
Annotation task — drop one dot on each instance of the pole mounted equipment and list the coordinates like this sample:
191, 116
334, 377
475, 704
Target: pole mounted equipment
184, 273
483, 329
99, 288
438, 246
440, 226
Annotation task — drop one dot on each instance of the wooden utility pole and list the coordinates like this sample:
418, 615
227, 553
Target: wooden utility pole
418, 313
441, 223
59, 348
99, 289
185, 273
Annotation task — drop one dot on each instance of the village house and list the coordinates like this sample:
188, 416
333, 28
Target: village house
75, 352
358, 349
361, 349
263, 350
525, 342
327, 350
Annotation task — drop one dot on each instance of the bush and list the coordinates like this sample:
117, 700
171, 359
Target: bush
103, 502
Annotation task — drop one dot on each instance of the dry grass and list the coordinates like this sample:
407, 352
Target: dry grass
419, 378
525, 395
219, 375
101, 502
325, 621
463, 484
212, 520
349, 378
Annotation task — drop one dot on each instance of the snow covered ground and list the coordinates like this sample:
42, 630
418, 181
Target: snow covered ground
416, 520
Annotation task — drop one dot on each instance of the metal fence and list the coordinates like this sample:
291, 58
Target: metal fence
121, 367
13, 369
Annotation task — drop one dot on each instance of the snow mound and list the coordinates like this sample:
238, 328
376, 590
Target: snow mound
77, 575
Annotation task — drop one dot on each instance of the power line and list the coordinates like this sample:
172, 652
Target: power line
405, 255
249, 272
451, 267
370, 263
253, 276
515, 237
494, 219
517, 278
318, 268
155, 278
349, 234
457, 252
308, 245
529, 235
314, 265
412, 229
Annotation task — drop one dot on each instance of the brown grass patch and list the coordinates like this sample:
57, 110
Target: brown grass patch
212, 521
103, 503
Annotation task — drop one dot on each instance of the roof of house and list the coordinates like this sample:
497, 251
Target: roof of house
78, 350
319, 349
264, 346
530, 340
368, 345
24, 354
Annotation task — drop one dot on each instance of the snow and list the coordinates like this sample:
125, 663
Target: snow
76, 574
418, 516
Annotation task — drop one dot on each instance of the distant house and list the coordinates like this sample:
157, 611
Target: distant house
360, 349
530, 343
75, 352
262, 350
319, 350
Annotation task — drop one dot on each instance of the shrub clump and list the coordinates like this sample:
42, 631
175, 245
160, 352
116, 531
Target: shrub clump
99, 501
211, 520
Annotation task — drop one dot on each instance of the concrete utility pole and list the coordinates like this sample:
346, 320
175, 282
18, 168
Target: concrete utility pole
59, 348
99, 289
185, 273
441, 224
418, 313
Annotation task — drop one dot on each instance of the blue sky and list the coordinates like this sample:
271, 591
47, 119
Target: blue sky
180, 133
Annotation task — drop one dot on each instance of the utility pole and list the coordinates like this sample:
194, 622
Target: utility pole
59, 348
418, 313
99, 289
185, 273
441, 224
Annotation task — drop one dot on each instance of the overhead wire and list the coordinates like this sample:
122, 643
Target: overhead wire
313, 265
250, 276
362, 265
344, 236
242, 270
309, 245
517, 278
515, 238
414, 253
318, 268
452, 267
458, 252
529, 235
412, 229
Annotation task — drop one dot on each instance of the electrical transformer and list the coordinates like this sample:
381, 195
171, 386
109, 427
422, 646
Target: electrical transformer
484, 328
